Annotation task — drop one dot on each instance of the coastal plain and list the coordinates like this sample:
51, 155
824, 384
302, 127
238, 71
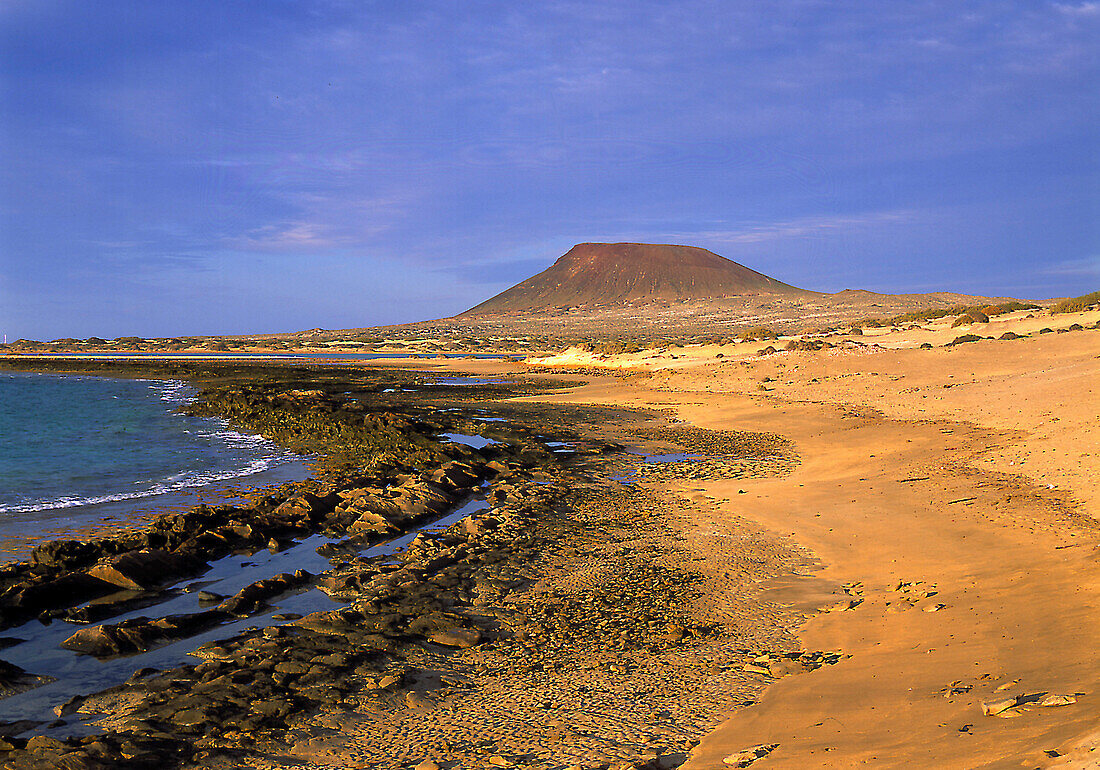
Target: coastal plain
881, 551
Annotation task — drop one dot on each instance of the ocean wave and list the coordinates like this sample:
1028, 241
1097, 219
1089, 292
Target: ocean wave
173, 391
171, 484
222, 452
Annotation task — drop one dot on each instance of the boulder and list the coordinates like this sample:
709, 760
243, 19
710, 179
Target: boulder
372, 521
748, 756
456, 475
457, 637
14, 679
68, 554
142, 570
139, 634
253, 596
331, 623
64, 591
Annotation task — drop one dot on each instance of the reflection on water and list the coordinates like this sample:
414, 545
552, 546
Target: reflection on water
477, 442
39, 651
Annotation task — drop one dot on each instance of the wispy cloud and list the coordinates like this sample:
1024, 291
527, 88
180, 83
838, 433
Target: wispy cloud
1079, 9
286, 236
1088, 267
803, 227
325, 222
119, 244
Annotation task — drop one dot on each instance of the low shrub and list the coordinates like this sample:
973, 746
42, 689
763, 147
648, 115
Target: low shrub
933, 313
1009, 307
758, 333
971, 317
808, 345
1077, 304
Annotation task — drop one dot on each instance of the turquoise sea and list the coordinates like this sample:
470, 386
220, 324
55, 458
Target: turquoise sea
78, 450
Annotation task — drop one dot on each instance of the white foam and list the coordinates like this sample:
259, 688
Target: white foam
171, 484
174, 391
219, 434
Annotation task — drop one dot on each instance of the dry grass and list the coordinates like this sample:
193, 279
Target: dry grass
1077, 304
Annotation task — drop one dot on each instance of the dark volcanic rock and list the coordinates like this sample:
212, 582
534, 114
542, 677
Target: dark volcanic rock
141, 570
14, 679
139, 634
964, 339
252, 597
63, 591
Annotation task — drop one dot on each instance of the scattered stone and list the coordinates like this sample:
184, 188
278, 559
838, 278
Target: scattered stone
746, 757
457, 637
843, 606
1056, 700
785, 667
68, 707
993, 708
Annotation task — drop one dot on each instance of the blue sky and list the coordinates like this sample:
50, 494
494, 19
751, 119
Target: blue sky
199, 167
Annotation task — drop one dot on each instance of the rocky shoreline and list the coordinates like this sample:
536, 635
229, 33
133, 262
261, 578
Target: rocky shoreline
561, 570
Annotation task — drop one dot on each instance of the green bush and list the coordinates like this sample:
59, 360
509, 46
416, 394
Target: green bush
971, 317
933, 313
1077, 304
759, 333
1009, 307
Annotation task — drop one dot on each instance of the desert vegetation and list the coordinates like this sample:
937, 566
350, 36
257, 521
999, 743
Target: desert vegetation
933, 313
1077, 304
759, 333
971, 317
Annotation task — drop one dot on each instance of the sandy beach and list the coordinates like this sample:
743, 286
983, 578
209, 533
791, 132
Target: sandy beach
954, 491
